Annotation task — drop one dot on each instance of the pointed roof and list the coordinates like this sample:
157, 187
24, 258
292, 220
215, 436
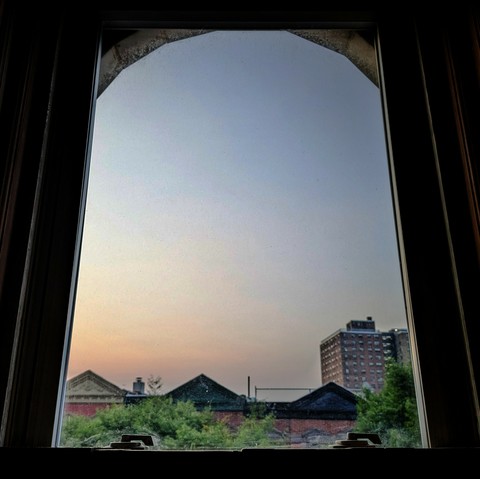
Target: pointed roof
330, 397
89, 385
329, 401
205, 392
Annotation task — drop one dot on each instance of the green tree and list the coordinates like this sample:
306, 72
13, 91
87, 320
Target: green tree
82, 431
255, 432
392, 412
173, 425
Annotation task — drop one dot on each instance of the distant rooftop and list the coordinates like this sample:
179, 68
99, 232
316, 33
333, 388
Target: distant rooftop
361, 324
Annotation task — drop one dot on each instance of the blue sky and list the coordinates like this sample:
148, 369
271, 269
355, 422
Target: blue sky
238, 212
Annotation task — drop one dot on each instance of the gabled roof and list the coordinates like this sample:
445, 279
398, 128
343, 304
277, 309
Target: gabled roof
205, 392
329, 401
90, 385
330, 396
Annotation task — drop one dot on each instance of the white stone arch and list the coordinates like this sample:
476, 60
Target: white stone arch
350, 43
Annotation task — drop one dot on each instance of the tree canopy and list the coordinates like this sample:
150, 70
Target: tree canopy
392, 412
173, 425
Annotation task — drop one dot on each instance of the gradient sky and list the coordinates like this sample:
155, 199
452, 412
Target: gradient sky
239, 211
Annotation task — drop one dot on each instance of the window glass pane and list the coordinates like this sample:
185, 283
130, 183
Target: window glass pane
238, 245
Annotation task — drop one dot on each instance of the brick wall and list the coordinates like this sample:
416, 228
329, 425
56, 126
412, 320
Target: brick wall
232, 418
300, 432
84, 409
313, 432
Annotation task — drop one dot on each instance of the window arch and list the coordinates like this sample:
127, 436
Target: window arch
122, 49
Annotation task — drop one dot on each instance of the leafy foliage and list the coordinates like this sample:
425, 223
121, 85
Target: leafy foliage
391, 413
173, 425
254, 432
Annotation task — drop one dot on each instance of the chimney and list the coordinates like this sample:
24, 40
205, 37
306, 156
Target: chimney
369, 318
139, 386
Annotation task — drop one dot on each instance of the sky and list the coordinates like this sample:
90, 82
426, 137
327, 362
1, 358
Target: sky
238, 212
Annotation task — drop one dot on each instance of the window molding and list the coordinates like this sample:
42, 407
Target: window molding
128, 48
436, 232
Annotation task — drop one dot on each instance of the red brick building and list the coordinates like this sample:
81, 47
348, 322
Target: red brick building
318, 418
355, 357
88, 392
207, 393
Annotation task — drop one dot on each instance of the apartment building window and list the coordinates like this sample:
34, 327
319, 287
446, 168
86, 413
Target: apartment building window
52, 250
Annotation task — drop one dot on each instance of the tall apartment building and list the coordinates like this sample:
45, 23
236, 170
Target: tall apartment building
355, 357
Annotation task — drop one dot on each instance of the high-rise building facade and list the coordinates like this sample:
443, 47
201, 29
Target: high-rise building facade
355, 357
